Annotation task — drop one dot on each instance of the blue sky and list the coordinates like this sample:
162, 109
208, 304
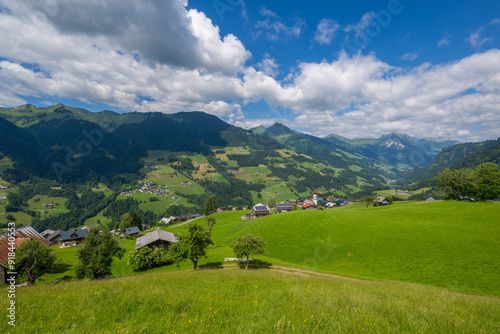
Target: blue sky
354, 68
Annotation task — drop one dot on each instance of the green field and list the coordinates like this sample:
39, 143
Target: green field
36, 202
254, 301
447, 244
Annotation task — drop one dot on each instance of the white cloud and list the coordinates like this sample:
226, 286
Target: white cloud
365, 21
326, 31
443, 42
268, 13
269, 66
475, 39
274, 27
495, 21
355, 96
409, 56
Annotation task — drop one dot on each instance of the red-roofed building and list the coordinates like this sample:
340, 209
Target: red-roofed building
22, 234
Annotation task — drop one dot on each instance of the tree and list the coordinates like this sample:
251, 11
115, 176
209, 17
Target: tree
247, 245
456, 184
210, 205
10, 218
192, 245
131, 219
211, 222
487, 181
271, 203
368, 200
96, 255
33, 260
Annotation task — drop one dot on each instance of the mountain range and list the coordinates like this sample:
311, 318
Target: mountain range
74, 145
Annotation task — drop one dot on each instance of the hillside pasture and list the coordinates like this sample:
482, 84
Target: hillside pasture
446, 244
254, 301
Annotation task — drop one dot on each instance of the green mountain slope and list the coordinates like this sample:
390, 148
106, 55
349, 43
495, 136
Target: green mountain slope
461, 155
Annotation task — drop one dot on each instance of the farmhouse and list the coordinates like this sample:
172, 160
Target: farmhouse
381, 201
76, 236
46, 233
182, 218
284, 207
429, 198
260, 210
130, 231
55, 237
2, 202
3, 196
158, 238
48, 206
165, 221
22, 234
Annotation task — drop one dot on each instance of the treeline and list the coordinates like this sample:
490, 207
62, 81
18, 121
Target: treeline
234, 192
482, 183
254, 159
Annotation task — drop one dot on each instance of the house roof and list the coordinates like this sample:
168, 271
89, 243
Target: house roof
149, 238
284, 205
73, 235
428, 196
132, 230
261, 207
183, 217
22, 234
305, 206
54, 235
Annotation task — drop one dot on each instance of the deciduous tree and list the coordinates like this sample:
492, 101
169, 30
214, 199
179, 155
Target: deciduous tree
247, 245
192, 245
33, 260
96, 255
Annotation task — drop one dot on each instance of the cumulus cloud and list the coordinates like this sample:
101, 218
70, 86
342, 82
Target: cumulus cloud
269, 66
355, 96
326, 31
162, 32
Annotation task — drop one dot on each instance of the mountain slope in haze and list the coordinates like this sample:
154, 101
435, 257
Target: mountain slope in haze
327, 152
461, 155
395, 149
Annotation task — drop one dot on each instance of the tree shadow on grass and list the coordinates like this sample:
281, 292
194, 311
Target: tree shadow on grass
60, 268
255, 264
212, 265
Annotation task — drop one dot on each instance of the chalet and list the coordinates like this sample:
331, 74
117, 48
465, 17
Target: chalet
429, 198
307, 206
381, 201
3, 196
55, 237
74, 236
46, 233
146, 227
22, 234
158, 238
284, 207
219, 210
309, 201
130, 231
48, 206
3, 274
260, 210
166, 221
182, 218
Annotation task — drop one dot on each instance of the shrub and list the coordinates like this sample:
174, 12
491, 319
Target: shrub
146, 258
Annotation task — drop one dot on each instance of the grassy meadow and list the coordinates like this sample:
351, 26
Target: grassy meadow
446, 244
254, 301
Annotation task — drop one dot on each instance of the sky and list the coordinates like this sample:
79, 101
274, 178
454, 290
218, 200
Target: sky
352, 68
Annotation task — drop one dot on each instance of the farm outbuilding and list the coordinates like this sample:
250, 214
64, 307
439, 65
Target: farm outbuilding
159, 238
